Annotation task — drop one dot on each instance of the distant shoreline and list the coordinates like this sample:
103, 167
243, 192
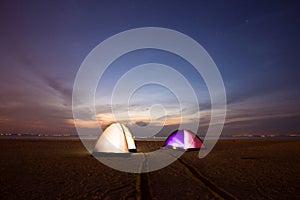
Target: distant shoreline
144, 139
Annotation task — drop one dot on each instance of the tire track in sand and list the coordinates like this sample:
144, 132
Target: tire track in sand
143, 184
213, 188
119, 188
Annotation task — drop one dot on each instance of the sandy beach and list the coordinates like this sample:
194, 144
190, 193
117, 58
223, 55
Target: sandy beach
235, 169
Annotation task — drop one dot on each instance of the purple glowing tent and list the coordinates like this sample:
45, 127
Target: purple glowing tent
184, 139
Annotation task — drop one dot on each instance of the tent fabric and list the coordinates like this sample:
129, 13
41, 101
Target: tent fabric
116, 138
184, 139
129, 138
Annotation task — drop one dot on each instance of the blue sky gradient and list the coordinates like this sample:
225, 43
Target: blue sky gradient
255, 45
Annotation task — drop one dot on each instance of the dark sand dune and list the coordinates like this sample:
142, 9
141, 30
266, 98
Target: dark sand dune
235, 169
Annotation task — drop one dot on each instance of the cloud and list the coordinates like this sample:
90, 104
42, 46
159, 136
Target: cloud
64, 92
28, 104
141, 123
36, 118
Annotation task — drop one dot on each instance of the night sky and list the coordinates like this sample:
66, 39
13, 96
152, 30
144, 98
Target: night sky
255, 45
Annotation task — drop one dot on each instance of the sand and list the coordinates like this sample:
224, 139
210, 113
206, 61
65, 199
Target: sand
235, 169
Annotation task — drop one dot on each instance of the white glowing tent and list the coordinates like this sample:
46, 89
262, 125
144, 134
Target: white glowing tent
116, 138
